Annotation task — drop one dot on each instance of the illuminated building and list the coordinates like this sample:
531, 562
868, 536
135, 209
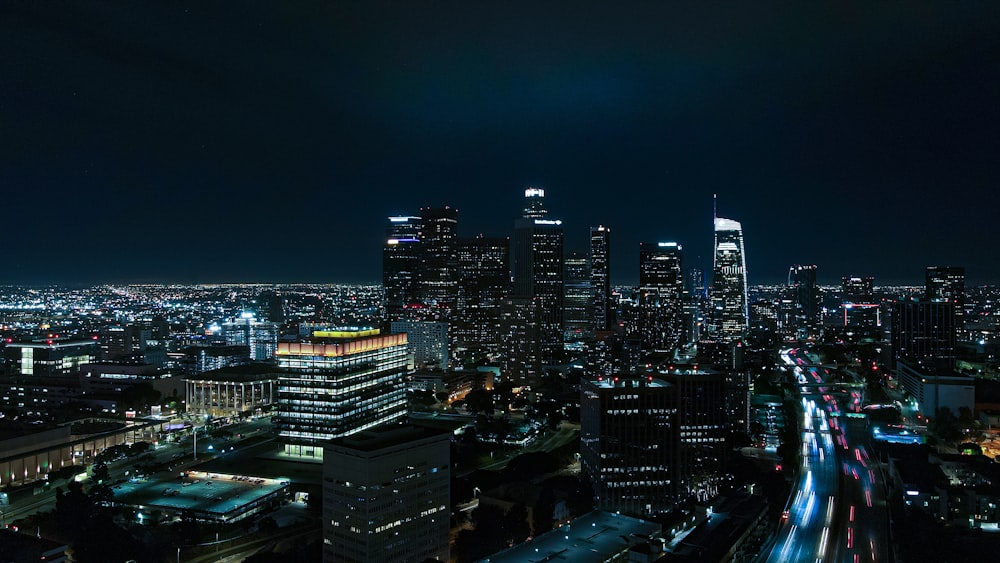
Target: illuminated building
386, 496
806, 300
729, 283
578, 300
661, 292
650, 441
538, 270
438, 256
934, 388
519, 358
484, 282
337, 384
948, 283
232, 391
600, 277
49, 357
260, 337
627, 443
858, 290
924, 331
426, 340
400, 262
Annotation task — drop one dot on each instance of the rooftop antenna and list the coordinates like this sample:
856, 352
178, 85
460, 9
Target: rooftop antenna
715, 206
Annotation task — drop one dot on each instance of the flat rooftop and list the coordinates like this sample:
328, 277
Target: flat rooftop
593, 537
212, 495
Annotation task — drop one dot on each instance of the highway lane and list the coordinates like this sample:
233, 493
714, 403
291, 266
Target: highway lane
838, 511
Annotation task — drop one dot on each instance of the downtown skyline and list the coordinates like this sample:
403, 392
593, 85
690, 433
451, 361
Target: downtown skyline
159, 143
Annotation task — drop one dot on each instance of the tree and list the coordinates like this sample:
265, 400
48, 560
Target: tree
100, 473
73, 508
515, 524
479, 400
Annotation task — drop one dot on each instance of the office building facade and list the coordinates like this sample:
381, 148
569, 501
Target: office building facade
600, 277
400, 264
730, 315
538, 270
386, 496
661, 294
337, 384
947, 283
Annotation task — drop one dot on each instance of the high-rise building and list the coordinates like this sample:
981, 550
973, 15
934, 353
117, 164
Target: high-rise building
806, 300
271, 307
439, 257
519, 358
260, 337
484, 282
661, 292
627, 443
729, 283
578, 300
924, 331
400, 264
650, 441
386, 496
538, 270
948, 283
336, 384
427, 341
858, 290
47, 357
600, 277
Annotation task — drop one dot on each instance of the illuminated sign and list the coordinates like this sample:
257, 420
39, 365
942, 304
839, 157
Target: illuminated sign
547, 222
534, 192
346, 333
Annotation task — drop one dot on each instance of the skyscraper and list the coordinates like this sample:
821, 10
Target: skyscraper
924, 331
439, 258
538, 270
948, 283
336, 384
729, 283
661, 291
600, 277
400, 263
484, 282
578, 299
806, 299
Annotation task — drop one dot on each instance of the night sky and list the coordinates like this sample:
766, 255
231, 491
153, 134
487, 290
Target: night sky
268, 142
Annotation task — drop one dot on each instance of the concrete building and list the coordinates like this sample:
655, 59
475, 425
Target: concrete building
427, 340
386, 496
933, 389
232, 391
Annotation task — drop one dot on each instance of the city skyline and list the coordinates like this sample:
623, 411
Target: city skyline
161, 143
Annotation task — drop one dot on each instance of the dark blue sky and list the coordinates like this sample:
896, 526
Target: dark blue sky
268, 142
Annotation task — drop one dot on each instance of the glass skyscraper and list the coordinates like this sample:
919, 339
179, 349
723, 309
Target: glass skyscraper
729, 282
661, 291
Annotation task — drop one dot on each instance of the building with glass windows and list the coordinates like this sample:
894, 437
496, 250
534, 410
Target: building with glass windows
336, 384
538, 270
600, 277
661, 293
386, 496
729, 283
400, 263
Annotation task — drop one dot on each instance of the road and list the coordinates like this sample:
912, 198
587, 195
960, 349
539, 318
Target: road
838, 512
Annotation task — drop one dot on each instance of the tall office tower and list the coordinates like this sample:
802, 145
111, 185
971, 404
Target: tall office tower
119, 341
699, 461
924, 331
336, 384
806, 298
438, 256
400, 263
858, 290
484, 282
600, 277
948, 283
261, 337
729, 283
661, 292
578, 299
427, 341
627, 442
519, 357
538, 270
386, 494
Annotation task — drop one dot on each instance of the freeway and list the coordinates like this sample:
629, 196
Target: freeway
838, 512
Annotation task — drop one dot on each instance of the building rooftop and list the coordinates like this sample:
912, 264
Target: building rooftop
385, 437
246, 373
593, 537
